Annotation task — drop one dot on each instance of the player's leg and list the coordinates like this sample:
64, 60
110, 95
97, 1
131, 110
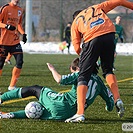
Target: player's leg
68, 46
21, 93
107, 58
18, 55
106, 95
7, 60
4, 115
87, 64
18, 114
2, 60
34, 90
115, 54
3, 54
13, 94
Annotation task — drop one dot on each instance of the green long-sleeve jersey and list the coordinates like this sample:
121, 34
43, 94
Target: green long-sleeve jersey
60, 106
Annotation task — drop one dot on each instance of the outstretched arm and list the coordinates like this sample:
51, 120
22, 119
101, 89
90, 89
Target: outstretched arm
111, 4
55, 74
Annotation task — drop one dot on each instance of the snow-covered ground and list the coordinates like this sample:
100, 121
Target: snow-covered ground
53, 48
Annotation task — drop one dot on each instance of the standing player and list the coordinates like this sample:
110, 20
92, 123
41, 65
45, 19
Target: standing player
11, 26
67, 35
98, 33
118, 34
118, 30
60, 106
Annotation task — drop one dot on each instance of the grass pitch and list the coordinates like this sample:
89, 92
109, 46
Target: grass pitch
35, 72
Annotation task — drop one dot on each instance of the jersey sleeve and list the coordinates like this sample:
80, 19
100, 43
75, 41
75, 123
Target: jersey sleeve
20, 28
2, 13
69, 79
111, 4
76, 38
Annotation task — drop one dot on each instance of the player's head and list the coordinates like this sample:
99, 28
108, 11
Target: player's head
15, 2
74, 66
76, 13
117, 19
69, 24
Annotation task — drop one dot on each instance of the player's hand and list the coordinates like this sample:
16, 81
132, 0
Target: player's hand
24, 38
50, 66
10, 27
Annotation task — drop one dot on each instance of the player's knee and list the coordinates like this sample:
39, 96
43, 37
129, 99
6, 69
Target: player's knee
106, 72
83, 80
82, 83
19, 64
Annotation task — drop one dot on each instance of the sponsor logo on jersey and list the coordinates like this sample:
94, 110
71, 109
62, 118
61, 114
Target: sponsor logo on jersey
97, 22
52, 94
19, 13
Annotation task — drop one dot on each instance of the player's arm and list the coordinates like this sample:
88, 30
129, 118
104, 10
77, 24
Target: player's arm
3, 25
76, 38
69, 79
55, 74
20, 28
111, 4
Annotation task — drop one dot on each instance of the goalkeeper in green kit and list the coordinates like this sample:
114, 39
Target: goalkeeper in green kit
60, 106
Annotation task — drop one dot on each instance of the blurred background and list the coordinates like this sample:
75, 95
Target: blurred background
49, 17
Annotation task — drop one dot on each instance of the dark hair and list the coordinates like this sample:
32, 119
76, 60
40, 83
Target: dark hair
69, 22
75, 64
76, 13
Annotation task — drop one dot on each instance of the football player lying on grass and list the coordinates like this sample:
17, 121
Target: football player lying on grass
60, 106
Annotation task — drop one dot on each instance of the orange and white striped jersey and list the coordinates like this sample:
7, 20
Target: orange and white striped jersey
93, 22
11, 15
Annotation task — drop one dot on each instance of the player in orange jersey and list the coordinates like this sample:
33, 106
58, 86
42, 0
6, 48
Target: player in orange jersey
11, 26
98, 34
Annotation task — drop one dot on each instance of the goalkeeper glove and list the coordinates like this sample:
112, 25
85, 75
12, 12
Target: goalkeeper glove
24, 38
10, 27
